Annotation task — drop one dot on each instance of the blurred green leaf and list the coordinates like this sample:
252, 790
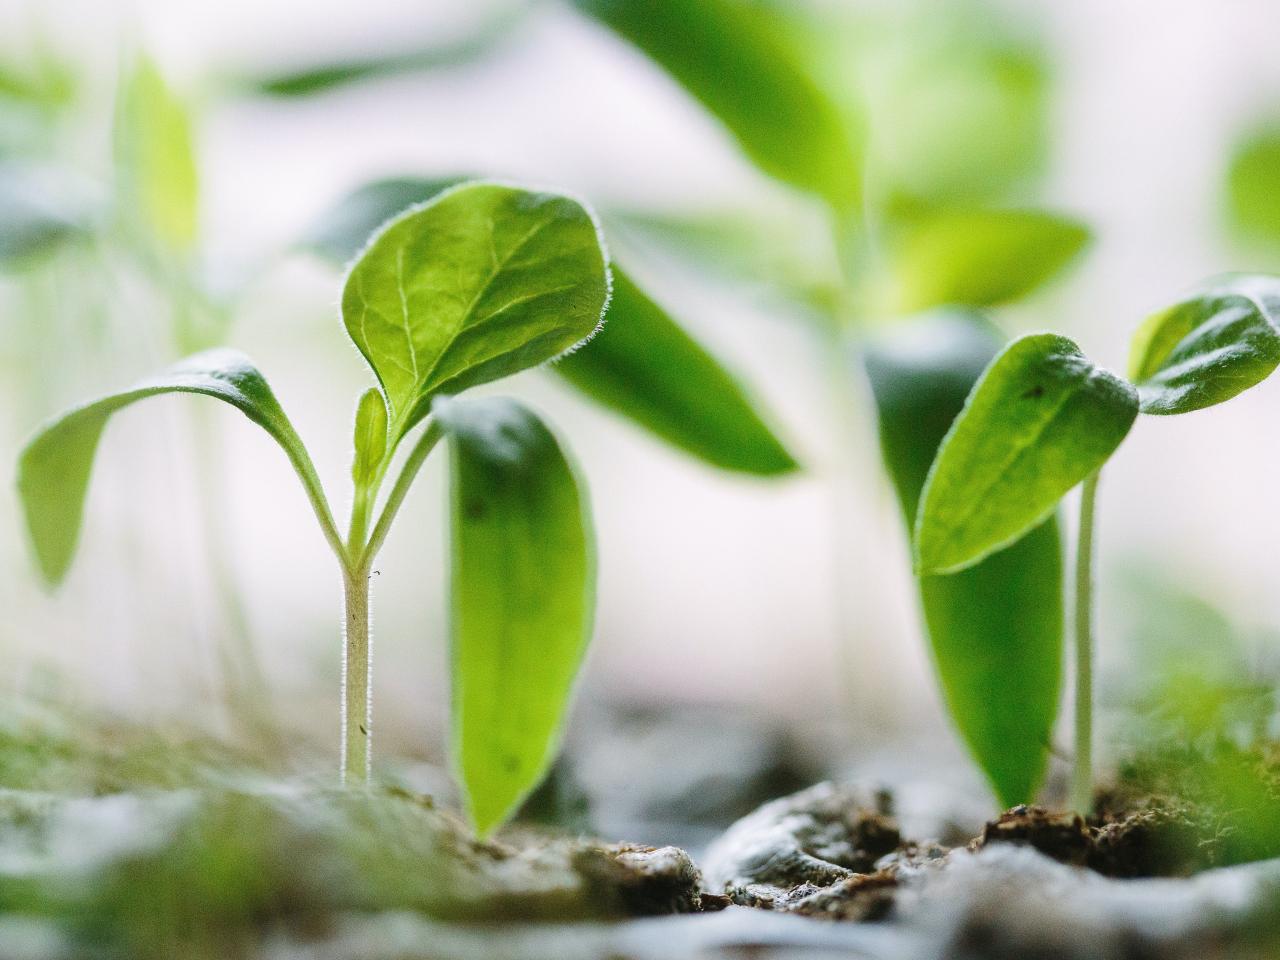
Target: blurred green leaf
155, 160
976, 257
1041, 419
790, 257
955, 95
482, 282
54, 469
1253, 187
995, 629
1207, 349
340, 232
735, 59
523, 598
38, 212
644, 366
324, 77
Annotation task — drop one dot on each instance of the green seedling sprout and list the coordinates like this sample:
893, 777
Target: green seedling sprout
482, 282
1043, 419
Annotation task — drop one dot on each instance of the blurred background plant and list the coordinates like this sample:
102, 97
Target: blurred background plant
933, 146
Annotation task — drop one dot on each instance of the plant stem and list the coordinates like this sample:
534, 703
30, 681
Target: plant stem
1082, 776
357, 678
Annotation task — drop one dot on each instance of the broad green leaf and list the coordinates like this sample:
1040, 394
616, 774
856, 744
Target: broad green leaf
343, 230
370, 436
54, 468
734, 58
37, 212
1253, 187
648, 369
523, 597
1210, 347
977, 257
155, 160
482, 282
995, 629
1041, 419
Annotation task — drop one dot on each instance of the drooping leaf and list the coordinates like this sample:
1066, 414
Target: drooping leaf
995, 629
342, 230
155, 160
1253, 187
482, 282
645, 367
38, 212
54, 468
977, 257
370, 436
734, 59
523, 597
1210, 347
1041, 419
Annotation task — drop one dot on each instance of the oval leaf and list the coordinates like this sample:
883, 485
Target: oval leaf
995, 630
978, 258
1040, 420
732, 57
482, 282
523, 589
648, 369
155, 159
54, 468
1209, 348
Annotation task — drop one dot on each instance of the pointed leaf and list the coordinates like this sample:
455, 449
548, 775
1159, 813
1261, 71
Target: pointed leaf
54, 468
648, 369
734, 59
523, 596
977, 258
155, 159
1041, 419
995, 630
343, 230
1210, 347
482, 282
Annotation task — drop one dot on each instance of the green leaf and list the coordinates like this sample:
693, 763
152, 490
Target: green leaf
995, 629
734, 58
54, 468
343, 230
1041, 419
1253, 187
482, 282
523, 598
155, 160
977, 257
645, 367
1210, 347
370, 437
325, 77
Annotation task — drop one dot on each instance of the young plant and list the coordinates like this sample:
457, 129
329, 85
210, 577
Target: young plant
1043, 419
480, 283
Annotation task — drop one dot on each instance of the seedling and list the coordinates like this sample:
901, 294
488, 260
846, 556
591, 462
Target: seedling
482, 282
1043, 419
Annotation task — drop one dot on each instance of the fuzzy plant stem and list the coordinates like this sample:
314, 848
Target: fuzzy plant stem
357, 679
1082, 776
